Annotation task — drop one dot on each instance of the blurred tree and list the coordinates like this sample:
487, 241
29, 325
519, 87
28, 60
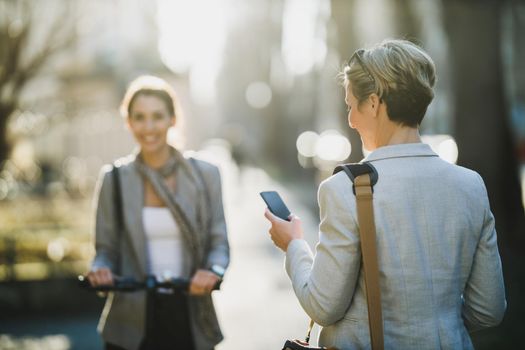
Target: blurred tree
514, 46
20, 58
482, 122
406, 21
483, 134
346, 43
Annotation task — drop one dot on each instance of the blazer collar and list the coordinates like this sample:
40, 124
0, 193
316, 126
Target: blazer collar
401, 151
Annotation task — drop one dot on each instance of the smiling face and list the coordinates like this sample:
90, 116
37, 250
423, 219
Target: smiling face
149, 121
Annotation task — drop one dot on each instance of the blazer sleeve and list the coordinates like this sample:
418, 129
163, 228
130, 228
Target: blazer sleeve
484, 302
219, 249
106, 236
324, 284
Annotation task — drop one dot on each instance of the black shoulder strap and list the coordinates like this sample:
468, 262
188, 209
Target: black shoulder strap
355, 169
117, 198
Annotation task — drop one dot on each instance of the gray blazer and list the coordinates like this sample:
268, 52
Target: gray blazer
439, 266
123, 318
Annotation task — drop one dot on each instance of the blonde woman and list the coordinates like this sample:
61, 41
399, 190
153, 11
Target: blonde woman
439, 266
173, 226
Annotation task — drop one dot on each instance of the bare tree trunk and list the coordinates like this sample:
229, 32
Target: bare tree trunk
5, 147
18, 65
482, 120
482, 131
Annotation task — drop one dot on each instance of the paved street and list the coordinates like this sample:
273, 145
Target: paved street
256, 305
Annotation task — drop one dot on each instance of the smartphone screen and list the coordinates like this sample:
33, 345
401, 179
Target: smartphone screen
276, 204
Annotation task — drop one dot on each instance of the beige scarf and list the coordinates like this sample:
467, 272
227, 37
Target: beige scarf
193, 235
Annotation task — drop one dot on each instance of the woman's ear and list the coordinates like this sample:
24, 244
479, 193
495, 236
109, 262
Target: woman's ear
374, 103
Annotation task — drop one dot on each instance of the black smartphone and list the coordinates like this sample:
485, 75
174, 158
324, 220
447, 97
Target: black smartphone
276, 204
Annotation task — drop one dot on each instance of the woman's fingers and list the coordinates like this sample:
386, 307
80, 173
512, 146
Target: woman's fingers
91, 278
195, 288
268, 214
282, 232
210, 283
203, 282
108, 277
297, 226
99, 277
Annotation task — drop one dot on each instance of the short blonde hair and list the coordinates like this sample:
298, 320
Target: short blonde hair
151, 86
400, 73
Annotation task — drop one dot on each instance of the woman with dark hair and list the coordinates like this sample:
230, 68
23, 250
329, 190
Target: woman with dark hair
173, 227
439, 268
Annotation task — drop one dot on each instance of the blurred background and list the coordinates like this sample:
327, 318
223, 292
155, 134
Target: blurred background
257, 81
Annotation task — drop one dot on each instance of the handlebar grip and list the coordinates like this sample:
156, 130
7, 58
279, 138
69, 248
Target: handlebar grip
174, 283
119, 284
83, 282
130, 284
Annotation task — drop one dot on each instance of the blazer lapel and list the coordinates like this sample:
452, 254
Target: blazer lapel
186, 194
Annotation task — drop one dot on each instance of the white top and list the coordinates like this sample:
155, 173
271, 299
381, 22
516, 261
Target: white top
165, 245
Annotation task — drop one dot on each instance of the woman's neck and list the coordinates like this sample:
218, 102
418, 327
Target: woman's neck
404, 134
389, 133
156, 160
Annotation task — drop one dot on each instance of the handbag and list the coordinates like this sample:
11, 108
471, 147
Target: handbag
363, 176
304, 345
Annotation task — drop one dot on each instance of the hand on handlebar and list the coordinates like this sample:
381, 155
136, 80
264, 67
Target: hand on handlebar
100, 277
101, 280
203, 282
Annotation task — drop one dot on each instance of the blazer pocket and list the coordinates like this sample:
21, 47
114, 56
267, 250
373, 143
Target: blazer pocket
354, 333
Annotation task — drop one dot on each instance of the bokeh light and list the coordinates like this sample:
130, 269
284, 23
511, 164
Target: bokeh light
448, 150
323, 151
56, 250
258, 94
332, 146
444, 145
4, 189
306, 143
23, 155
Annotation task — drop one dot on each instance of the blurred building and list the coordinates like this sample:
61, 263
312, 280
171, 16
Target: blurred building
72, 105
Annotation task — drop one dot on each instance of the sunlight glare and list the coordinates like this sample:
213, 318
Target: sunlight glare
303, 44
332, 146
191, 40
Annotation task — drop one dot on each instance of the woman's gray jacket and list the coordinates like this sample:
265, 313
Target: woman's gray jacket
123, 319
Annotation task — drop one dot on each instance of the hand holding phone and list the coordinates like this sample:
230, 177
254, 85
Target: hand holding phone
276, 204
